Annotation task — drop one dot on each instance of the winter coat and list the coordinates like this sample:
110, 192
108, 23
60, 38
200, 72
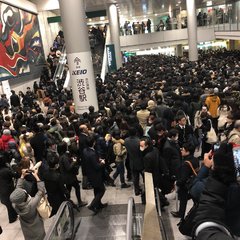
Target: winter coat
5, 139
93, 168
152, 164
30, 221
172, 157
57, 193
234, 136
68, 169
213, 103
119, 150
6, 183
135, 157
185, 171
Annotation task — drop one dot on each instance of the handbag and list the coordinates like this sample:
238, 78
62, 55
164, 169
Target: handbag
186, 225
44, 209
211, 135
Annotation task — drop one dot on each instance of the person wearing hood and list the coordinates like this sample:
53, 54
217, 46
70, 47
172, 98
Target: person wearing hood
26, 207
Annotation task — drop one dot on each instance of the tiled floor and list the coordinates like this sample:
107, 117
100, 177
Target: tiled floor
113, 195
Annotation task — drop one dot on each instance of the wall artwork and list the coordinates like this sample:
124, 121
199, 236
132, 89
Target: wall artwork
21, 47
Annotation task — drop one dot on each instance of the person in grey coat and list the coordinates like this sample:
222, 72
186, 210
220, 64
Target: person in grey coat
26, 207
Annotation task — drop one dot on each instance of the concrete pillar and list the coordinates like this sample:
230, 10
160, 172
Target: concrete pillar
179, 50
114, 30
78, 54
192, 30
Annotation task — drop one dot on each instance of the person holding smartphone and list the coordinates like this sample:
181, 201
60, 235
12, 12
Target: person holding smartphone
26, 207
218, 213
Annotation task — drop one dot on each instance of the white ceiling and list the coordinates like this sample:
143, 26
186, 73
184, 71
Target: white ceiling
130, 8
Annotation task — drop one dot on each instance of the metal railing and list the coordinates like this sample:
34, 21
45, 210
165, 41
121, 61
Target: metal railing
63, 225
133, 230
61, 65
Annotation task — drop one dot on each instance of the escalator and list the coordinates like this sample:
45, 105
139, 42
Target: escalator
119, 222
97, 51
111, 223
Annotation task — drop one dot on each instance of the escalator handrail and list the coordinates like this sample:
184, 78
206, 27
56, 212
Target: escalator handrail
57, 217
130, 214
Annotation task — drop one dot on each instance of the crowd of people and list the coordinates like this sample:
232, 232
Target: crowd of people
204, 18
155, 113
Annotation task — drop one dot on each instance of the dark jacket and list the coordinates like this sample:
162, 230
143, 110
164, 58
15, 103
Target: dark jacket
14, 100
212, 203
6, 183
38, 143
185, 171
56, 191
152, 164
172, 157
184, 134
93, 167
135, 157
68, 169
101, 147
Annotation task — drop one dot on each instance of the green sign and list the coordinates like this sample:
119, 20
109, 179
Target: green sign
111, 57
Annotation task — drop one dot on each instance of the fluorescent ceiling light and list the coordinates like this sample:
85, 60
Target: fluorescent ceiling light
209, 3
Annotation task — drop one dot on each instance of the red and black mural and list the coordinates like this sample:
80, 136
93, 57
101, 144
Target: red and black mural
20, 42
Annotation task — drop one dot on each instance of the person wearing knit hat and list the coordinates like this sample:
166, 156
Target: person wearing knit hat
26, 207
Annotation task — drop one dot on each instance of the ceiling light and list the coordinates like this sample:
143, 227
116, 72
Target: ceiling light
209, 3
155, 14
89, 19
102, 18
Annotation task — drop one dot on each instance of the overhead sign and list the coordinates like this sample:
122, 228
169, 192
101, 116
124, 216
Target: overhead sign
111, 58
82, 81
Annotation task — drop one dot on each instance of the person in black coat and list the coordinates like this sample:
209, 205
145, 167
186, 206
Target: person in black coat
94, 173
38, 143
7, 187
69, 169
14, 99
132, 144
83, 139
211, 216
151, 159
154, 164
171, 153
57, 193
187, 170
185, 131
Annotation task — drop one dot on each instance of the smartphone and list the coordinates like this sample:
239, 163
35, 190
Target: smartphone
216, 147
236, 155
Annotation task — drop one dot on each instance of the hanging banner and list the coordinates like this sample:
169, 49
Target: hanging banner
111, 58
82, 81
